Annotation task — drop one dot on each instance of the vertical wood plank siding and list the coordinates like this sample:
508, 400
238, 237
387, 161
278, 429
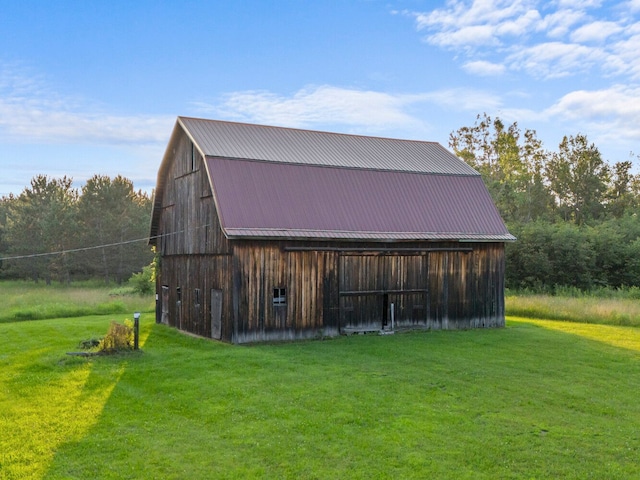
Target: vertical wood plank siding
189, 222
330, 287
329, 292
306, 279
203, 273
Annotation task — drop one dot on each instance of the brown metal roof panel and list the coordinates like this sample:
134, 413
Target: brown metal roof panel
350, 203
276, 144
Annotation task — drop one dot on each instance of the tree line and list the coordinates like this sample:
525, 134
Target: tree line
55, 232
575, 215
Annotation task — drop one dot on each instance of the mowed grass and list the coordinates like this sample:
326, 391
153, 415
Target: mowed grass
30, 301
537, 399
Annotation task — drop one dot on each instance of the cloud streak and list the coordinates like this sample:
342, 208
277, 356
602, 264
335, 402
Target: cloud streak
549, 40
359, 110
613, 112
30, 111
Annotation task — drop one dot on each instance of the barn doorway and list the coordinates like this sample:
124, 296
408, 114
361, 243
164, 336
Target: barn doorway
361, 311
216, 314
376, 288
164, 315
382, 310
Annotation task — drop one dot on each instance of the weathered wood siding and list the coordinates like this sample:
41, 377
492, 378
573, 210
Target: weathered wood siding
306, 277
376, 287
195, 254
188, 222
466, 290
331, 291
189, 280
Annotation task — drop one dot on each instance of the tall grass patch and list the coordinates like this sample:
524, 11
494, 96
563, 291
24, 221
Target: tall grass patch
23, 300
583, 308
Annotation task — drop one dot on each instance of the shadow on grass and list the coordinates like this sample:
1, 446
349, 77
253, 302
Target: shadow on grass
524, 401
46, 399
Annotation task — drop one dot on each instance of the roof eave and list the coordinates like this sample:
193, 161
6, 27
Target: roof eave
306, 235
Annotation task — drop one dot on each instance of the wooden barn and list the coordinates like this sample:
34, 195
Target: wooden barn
268, 233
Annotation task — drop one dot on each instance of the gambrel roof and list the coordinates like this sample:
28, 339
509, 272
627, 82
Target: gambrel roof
306, 147
274, 182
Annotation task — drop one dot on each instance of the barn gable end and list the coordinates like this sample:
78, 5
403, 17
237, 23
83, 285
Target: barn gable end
267, 234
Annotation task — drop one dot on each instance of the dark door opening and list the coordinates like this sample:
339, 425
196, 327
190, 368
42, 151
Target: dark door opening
385, 310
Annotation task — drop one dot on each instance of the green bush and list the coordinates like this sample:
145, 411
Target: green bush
548, 256
142, 282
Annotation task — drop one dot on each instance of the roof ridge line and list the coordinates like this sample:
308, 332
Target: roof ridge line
346, 167
296, 129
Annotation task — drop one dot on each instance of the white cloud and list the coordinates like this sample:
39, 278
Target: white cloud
560, 22
484, 68
595, 31
464, 99
471, 36
319, 106
29, 110
617, 101
624, 58
613, 112
577, 4
544, 39
480, 23
555, 59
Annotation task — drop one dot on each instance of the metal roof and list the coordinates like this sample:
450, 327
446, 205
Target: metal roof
261, 199
216, 138
274, 182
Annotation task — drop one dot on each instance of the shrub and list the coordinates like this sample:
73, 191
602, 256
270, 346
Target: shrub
142, 282
119, 337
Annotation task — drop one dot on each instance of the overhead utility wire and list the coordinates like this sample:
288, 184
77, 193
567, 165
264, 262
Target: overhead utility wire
84, 249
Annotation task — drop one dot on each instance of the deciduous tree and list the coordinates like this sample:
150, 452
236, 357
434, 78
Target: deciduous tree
578, 178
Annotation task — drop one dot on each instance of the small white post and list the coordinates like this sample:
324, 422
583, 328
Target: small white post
136, 329
392, 315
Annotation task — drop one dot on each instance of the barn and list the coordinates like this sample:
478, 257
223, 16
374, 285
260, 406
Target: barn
268, 234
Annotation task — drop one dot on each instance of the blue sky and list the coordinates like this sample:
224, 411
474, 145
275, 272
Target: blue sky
94, 87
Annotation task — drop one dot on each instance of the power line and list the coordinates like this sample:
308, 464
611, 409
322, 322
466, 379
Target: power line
107, 245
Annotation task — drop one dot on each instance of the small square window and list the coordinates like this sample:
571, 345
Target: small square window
279, 296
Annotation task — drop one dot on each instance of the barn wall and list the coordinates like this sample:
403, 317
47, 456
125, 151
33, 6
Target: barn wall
466, 290
188, 221
195, 254
340, 288
188, 281
307, 278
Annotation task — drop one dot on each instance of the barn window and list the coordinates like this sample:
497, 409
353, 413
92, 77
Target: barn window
193, 157
279, 296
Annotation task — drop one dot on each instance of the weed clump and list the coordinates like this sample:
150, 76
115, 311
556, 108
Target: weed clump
119, 337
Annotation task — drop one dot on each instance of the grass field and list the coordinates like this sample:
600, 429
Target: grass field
537, 399
31, 301
583, 309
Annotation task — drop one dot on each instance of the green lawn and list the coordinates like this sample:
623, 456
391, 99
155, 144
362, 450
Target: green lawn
537, 399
